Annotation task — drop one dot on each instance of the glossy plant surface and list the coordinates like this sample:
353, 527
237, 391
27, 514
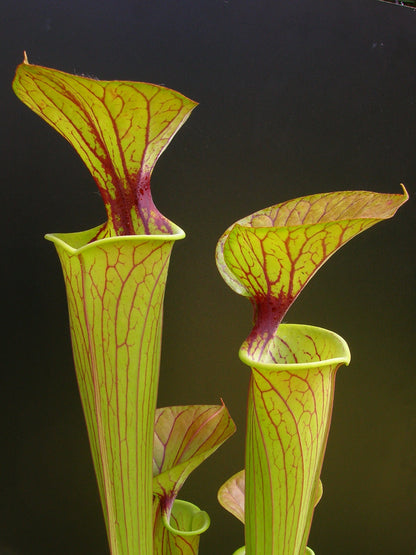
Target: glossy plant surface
269, 257
115, 277
294, 98
119, 129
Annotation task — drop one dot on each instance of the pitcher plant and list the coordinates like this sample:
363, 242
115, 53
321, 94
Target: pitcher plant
115, 277
269, 257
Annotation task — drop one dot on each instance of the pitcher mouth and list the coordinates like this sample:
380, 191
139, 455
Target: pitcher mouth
79, 241
288, 341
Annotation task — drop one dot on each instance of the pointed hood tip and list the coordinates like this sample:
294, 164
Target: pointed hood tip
405, 193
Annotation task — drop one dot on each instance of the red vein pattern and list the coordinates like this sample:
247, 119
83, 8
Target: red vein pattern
231, 495
289, 414
119, 129
271, 255
115, 289
182, 517
184, 437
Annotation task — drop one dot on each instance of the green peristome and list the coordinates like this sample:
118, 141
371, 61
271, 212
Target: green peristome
115, 289
289, 413
290, 405
115, 278
269, 257
184, 437
242, 551
178, 530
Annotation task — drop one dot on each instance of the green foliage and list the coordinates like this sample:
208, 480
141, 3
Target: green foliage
269, 257
119, 129
115, 276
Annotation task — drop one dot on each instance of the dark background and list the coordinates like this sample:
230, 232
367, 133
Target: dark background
296, 97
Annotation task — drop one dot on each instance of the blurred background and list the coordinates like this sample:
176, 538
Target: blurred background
296, 97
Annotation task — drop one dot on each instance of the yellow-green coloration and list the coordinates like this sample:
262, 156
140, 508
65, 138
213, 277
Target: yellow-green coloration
184, 437
231, 495
269, 257
179, 532
115, 277
115, 289
242, 551
289, 413
119, 128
